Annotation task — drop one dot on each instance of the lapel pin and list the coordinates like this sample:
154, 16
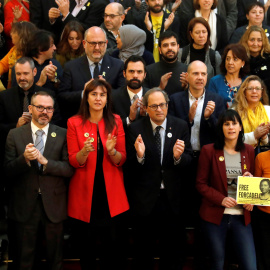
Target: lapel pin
88, 4
83, 8
86, 135
108, 67
169, 135
92, 139
221, 158
53, 134
103, 74
245, 166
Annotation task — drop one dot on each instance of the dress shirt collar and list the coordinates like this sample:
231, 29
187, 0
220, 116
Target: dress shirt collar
193, 98
163, 125
91, 63
131, 94
35, 128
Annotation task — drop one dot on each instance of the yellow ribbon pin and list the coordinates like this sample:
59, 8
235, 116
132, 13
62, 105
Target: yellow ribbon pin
245, 166
53, 134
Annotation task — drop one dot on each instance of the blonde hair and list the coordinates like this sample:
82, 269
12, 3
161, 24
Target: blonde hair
240, 101
265, 41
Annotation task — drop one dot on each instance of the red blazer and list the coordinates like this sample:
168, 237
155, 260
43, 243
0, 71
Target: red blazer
211, 181
8, 13
82, 182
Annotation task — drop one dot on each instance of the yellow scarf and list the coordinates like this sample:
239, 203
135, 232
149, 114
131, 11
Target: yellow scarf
254, 119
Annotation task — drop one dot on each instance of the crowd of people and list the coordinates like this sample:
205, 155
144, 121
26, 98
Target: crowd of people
134, 114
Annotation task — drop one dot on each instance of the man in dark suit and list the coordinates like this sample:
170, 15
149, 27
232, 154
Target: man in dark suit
127, 100
53, 15
94, 64
36, 161
162, 150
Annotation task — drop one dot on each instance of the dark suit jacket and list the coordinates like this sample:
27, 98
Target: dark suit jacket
77, 73
88, 17
149, 44
25, 180
179, 107
121, 103
145, 179
212, 181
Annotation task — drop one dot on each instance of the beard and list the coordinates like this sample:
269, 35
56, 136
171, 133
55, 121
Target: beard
169, 59
134, 84
156, 8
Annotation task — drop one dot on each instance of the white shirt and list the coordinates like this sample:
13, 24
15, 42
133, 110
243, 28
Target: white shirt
92, 66
78, 7
195, 129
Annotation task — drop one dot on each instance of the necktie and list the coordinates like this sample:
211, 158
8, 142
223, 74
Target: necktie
138, 110
96, 71
25, 102
158, 141
39, 144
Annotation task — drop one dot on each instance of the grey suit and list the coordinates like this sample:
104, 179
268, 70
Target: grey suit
25, 201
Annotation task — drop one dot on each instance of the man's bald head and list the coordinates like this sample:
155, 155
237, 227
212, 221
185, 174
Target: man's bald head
114, 16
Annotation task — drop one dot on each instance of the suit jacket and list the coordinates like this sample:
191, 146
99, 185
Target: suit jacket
25, 180
81, 191
88, 17
77, 73
149, 44
225, 8
145, 179
211, 181
179, 107
121, 103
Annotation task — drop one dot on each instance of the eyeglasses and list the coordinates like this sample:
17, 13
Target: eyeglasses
111, 16
100, 44
254, 88
41, 108
162, 106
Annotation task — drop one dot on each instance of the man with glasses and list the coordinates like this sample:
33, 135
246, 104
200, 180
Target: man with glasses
95, 64
158, 149
36, 162
114, 16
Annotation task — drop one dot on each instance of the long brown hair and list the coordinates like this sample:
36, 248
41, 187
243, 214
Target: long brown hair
63, 47
108, 116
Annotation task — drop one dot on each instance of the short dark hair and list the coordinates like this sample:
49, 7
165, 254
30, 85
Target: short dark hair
265, 180
41, 93
40, 42
229, 115
134, 59
24, 60
253, 5
238, 51
166, 35
151, 91
192, 24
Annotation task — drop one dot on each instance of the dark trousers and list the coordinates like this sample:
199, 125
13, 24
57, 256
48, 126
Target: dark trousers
261, 228
23, 240
162, 228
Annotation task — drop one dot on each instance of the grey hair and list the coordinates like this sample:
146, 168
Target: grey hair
151, 91
24, 60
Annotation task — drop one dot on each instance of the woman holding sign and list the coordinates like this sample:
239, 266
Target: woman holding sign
262, 214
220, 164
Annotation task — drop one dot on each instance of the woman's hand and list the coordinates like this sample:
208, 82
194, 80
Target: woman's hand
1, 28
248, 207
228, 202
247, 174
17, 12
88, 147
261, 131
110, 143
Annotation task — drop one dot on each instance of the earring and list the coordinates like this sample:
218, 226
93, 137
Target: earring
242, 66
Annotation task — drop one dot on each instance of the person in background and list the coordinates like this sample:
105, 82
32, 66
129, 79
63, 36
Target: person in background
219, 166
252, 104
257, 47
70, 46
234, 68
96, 147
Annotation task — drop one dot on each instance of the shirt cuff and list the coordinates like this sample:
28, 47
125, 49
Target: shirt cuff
141, 160
176, 161
65, 17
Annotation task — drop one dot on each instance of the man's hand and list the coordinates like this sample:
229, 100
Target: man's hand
164, 80
51, 71
209, 109
176, 5
192, 111
134, 108
127, 10
169, 21
139, 146
41, 159
1, 28
30, 152
183, 79
21, 122
54, 13
138, 4
178, 149
147, 21
63, 6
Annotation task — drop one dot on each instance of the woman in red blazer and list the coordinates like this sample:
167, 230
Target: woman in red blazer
219, 166
96, 146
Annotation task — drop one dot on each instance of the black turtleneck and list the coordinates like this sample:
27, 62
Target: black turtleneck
197, 54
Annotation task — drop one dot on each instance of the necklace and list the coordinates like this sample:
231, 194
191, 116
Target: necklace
232, 90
